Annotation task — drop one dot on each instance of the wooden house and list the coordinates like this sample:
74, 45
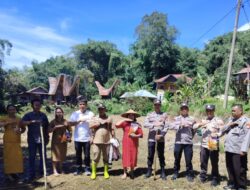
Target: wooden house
168, 83
63, 89
241, 81
37, 92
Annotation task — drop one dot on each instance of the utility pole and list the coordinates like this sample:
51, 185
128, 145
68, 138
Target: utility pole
248, 84
231, 55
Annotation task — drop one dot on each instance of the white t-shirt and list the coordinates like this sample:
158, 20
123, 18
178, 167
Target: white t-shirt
82, 131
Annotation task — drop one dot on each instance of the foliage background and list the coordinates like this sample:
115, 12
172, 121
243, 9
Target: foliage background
154, 54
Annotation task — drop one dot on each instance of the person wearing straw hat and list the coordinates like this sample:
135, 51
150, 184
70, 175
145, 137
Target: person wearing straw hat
131, 133
34, 120
157, 123
210, 129
184, 126
101, 126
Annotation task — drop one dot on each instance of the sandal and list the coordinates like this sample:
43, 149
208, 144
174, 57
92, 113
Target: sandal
124, 176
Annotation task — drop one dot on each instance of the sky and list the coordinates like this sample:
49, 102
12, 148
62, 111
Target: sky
43, 28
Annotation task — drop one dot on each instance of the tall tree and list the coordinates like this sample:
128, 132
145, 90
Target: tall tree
52, 67
154, 52
5, 48
101, 58
190, 62
14, 84
217, 57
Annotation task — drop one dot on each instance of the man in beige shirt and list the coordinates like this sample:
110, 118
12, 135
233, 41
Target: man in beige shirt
101, 126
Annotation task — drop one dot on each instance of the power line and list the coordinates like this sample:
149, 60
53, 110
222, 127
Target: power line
213, 26
245, 13
248, 2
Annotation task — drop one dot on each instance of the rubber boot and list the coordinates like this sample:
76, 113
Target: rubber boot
163, 174
93, 173
106, 173
149, 173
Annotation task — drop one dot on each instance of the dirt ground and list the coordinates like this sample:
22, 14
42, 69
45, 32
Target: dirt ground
68, 181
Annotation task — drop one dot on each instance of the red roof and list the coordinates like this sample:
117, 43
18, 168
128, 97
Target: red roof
177, 76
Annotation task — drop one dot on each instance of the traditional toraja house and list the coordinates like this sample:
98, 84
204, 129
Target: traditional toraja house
242, 83
107, 93
62, 89
168, 83
37, 92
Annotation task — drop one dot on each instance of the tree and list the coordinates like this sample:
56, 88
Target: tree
190, 61
86, 78
154, 52
216, 54
13, 84
52, 67
5, 48
101, 58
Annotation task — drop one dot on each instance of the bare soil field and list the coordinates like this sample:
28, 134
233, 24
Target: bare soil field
70, 182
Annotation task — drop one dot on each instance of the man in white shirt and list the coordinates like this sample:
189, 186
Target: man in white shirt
82, 136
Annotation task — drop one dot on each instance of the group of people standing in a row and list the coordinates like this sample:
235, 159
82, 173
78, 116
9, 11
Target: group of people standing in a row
236, 143
96, 131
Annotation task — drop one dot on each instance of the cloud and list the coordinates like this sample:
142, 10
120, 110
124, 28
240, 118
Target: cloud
31, 41
244, 27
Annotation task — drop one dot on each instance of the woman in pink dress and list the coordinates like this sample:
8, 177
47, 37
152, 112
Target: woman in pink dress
131, 133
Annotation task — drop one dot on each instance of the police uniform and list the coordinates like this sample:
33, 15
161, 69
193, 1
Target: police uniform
210, 146
153, 131
184, 127
237, 142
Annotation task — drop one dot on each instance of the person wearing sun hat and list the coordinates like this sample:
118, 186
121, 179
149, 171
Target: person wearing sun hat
131, 133
210, 129
101, 126
184, 126
156, 122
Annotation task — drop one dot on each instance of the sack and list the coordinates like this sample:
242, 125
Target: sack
133, 128
114, 153
115, 142
213, 143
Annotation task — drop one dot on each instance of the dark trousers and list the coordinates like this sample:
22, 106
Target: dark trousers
188, 152
33, 147
205, 154
85, 147
151, 152
237, 169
